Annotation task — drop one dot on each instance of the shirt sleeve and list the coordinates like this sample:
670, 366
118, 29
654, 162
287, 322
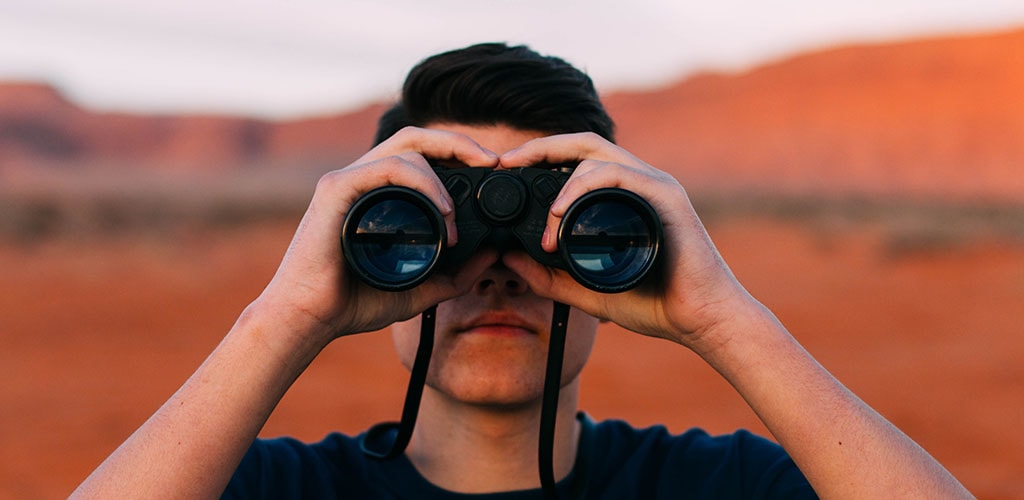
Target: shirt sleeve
740, 465
653, 463
282, 468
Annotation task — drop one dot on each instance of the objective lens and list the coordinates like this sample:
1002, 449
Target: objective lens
392, 238
609, 239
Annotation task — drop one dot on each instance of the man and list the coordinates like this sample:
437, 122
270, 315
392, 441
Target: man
496, 106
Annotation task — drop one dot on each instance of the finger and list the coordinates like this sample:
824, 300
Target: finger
552, 283
343, 187
591, 175
565, 148
436, 144
441, 287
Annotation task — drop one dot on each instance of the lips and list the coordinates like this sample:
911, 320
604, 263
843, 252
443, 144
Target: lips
499, 323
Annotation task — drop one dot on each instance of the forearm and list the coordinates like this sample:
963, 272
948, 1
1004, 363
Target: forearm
845, 448
190, 447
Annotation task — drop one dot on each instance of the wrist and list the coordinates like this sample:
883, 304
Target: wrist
736, 322
285, 331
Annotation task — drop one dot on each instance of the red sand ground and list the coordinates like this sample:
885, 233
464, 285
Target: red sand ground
97, 334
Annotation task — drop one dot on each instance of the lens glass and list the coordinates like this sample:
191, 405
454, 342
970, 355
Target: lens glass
609, 243
394, 241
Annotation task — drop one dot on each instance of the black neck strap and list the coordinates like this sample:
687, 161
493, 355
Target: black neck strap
549, 408
376, 442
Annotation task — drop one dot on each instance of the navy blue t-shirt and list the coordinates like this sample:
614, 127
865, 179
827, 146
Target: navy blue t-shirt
614, 461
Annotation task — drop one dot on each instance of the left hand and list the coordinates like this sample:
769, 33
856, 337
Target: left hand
697, 291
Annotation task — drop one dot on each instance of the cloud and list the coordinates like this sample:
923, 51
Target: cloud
274, 58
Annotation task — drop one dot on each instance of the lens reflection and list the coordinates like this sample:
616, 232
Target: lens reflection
609, 244
394, 241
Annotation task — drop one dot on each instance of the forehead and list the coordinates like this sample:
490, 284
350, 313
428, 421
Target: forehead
496, 138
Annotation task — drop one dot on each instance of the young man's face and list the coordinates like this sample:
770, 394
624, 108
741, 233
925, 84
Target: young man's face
491, 344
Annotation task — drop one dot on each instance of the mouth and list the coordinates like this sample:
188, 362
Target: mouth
499, 323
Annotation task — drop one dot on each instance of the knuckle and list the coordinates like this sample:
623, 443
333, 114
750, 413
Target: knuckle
330, 180
409, 159
591, 141
406, 133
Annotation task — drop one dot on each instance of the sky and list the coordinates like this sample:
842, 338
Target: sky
278, 59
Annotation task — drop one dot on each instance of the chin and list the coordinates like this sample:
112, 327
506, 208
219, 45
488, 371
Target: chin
489, 386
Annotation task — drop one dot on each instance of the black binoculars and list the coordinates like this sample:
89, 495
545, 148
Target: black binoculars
394, 237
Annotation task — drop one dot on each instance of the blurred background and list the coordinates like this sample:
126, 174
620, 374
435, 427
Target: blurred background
861, 167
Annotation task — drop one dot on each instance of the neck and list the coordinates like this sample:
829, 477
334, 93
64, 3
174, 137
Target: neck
477, 449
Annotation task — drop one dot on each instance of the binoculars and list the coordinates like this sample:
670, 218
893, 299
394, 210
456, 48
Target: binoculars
394, 237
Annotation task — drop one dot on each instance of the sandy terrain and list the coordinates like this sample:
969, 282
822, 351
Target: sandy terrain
107, 304
97, 334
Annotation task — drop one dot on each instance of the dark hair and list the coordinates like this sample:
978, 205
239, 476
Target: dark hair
493, 83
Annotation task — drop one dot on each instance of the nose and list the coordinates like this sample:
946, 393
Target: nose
499, 279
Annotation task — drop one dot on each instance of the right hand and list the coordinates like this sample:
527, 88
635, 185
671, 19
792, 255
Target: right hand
314, 290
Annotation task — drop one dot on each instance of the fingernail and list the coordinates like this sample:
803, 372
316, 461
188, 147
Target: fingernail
556, 206
453, 237
545, 239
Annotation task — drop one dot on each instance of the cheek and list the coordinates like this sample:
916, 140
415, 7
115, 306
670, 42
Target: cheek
406, 337
579, 342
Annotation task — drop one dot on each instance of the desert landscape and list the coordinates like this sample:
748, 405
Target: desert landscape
871, 196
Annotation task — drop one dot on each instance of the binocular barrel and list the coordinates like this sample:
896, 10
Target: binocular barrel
394, 238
